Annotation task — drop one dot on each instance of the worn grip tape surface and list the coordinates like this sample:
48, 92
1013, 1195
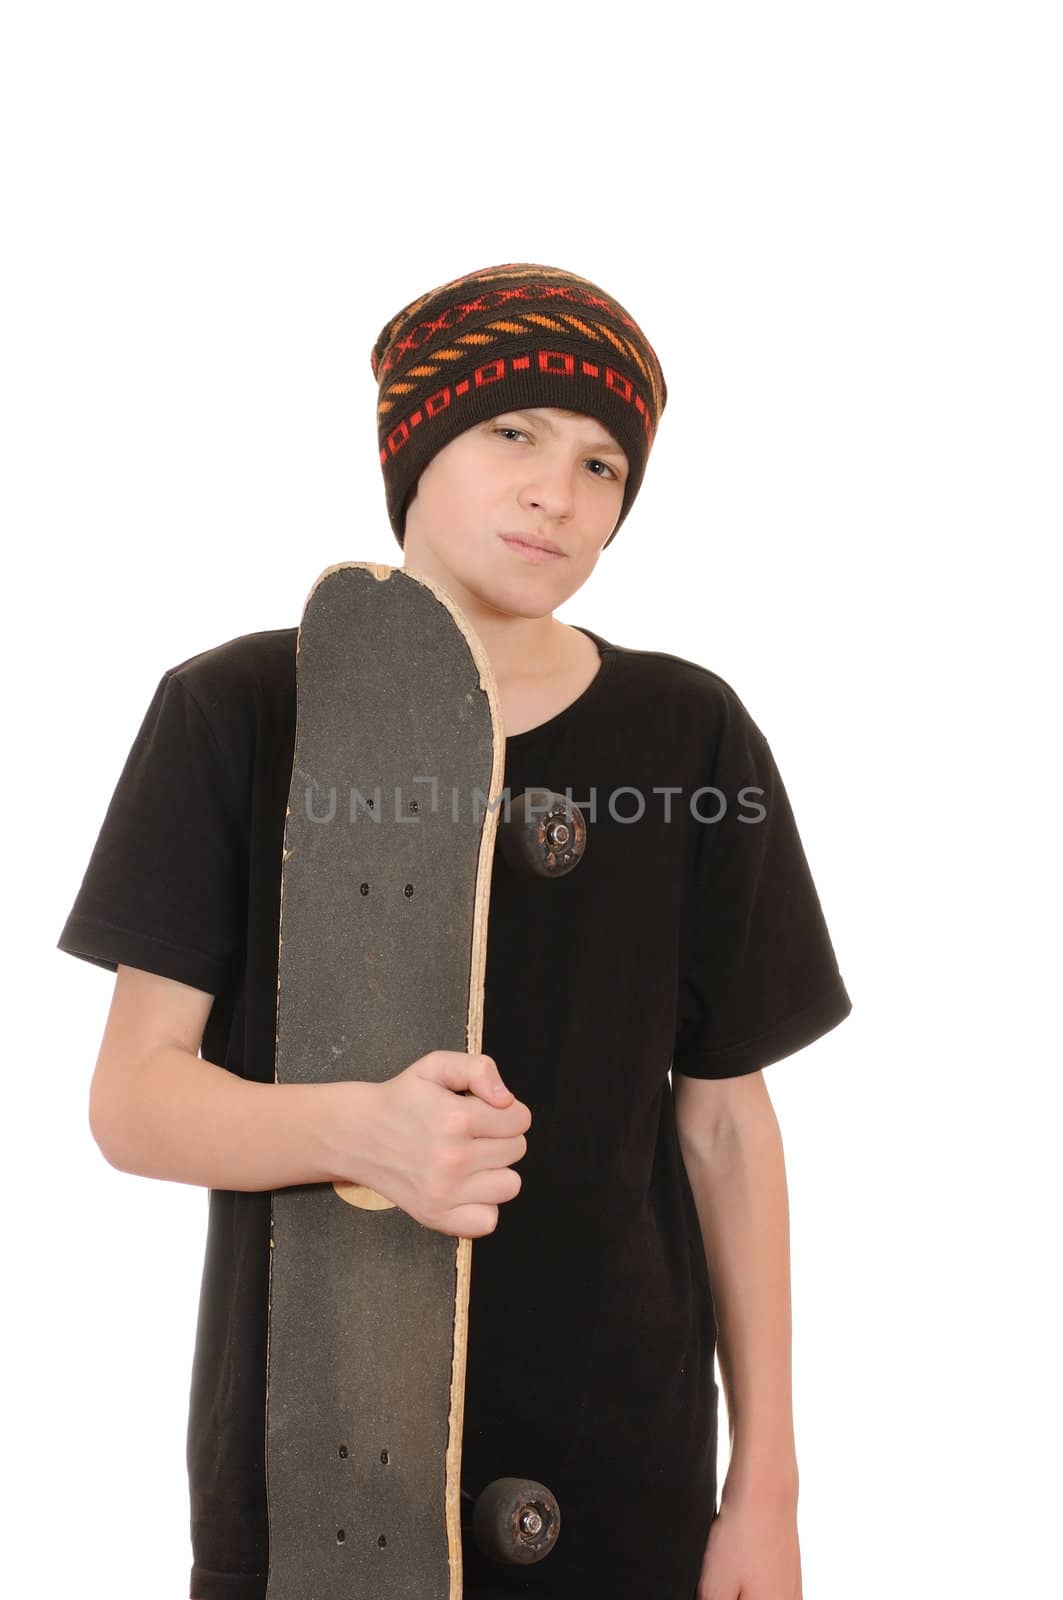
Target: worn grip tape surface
367, 1307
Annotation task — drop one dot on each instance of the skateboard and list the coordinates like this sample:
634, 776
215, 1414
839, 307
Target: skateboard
395, 809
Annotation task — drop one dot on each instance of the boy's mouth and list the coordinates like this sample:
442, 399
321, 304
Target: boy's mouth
531, 548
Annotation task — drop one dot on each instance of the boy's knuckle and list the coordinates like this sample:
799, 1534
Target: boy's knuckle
456, 1123
451, 1159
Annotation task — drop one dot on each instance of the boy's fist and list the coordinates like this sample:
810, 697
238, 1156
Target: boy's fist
440, 1140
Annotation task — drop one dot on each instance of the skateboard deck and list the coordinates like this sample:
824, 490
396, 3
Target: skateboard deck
385, 884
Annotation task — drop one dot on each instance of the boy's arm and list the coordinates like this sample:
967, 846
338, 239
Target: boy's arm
158, 1109
438, 1139
732, 1150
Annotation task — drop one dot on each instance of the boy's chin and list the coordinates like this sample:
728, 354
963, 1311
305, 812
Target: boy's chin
516, 596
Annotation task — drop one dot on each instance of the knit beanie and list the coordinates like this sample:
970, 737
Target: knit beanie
510, 337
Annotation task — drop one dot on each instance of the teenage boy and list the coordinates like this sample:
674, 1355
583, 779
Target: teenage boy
647, 1226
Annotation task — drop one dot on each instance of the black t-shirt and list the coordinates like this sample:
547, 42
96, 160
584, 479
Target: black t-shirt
690, 936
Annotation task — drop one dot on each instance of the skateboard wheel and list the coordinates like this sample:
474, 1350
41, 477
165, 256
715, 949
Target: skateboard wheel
545, 834
515, 1521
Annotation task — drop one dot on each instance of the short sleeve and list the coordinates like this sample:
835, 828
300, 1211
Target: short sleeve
162, 888
759, 977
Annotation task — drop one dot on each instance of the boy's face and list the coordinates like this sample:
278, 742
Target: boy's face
548, 473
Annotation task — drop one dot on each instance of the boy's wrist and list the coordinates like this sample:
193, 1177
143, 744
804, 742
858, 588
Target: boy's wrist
339, 1126
762, 1475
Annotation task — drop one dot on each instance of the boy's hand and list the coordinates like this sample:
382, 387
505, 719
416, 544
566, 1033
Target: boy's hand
753, 1551
440, 1153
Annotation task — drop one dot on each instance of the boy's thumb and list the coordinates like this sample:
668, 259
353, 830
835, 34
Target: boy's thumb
496, 1088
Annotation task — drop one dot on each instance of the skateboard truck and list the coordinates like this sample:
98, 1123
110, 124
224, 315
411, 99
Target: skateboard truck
514, 1520
545, 834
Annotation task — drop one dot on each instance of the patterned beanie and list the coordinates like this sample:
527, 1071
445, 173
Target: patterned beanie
504, 338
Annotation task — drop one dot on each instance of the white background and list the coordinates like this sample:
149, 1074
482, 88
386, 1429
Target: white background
838, 225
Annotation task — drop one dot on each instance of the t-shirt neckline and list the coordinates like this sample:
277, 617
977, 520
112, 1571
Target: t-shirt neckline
605, 650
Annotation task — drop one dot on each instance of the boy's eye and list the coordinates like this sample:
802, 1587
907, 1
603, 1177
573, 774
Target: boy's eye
590, 458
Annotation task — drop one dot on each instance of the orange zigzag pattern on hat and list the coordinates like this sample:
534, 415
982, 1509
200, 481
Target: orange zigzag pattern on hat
459, 349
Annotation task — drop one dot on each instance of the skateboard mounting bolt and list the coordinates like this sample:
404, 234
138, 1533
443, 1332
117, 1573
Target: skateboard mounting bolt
382, 1540
408, 891
340, 1535
364, 888
385, 1458
531, 1522
343, 1452
415, 805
